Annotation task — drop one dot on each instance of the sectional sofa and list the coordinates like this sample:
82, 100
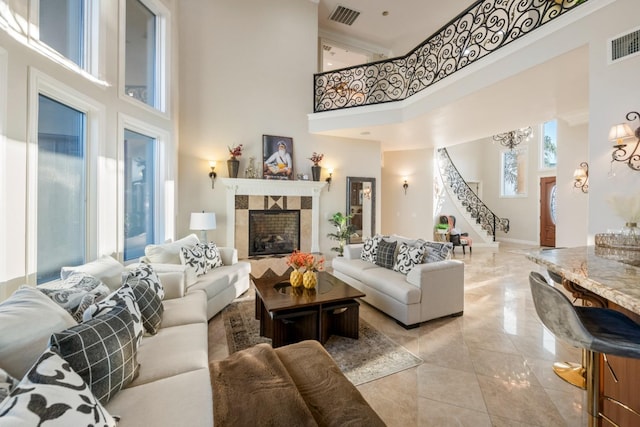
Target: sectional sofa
429, 287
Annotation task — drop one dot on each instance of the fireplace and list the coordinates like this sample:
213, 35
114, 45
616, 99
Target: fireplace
273, 232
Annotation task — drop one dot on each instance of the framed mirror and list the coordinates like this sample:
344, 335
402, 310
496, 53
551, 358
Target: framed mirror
361, 203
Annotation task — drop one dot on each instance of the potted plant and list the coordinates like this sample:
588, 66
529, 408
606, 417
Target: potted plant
343, 231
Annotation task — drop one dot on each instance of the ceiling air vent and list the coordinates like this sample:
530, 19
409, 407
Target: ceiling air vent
344, 15
624, 46
326, 47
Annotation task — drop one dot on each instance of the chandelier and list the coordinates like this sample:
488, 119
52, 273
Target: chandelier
512, 138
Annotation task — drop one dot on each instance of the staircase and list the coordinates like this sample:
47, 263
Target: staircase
484, 222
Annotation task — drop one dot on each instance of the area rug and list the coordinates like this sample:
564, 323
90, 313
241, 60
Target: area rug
372, 356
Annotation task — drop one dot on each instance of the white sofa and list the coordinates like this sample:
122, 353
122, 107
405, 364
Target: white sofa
221, 285
173, 386
428, 291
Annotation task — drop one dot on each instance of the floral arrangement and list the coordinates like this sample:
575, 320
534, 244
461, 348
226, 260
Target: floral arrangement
304, 260
235, 151
316, 158
626, 207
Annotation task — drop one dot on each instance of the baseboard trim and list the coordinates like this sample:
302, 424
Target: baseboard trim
522, 242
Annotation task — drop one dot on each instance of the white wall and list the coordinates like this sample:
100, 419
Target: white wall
408, 214
246, 70
613, 92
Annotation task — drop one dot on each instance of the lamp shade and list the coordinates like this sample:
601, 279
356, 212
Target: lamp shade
579, 174
203, 221
620, 132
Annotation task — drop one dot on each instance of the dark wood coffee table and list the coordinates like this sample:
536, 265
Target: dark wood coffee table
289, 315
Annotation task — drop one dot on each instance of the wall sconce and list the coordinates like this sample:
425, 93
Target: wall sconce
212, 174
618, 134
329, 178
581, 177
405, 185
366, 192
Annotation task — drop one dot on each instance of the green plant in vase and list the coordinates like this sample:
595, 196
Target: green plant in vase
343, 230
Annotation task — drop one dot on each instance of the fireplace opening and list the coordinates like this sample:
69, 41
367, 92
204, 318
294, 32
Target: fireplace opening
273, 232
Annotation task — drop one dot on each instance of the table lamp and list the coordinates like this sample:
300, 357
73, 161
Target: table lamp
203, 221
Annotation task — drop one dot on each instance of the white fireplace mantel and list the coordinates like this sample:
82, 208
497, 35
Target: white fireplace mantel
266, 187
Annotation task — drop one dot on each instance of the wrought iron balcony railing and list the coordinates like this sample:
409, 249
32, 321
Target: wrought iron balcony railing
469, 199
483, 28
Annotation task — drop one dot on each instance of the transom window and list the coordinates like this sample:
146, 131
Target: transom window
549, 145
141, 55
62, 27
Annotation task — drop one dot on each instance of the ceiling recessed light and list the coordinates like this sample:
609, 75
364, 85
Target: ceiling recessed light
385, 13
329, 64
366, 132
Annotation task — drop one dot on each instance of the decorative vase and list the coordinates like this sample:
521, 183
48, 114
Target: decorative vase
295, 278
315, 172
309, 279
233, 165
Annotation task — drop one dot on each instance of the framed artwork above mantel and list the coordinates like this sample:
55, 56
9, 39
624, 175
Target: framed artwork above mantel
277, 157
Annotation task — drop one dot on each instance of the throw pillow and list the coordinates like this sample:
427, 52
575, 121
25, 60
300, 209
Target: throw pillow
370, 248
193, 258
53, 395
147, 275
439, 251
386, 254
408, 257
150, 305
169, 253
102, 351
27, 320
76, 292
7, 383
106, 269
212, 256
125, 295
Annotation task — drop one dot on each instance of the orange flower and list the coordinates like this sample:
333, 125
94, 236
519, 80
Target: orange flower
305, 260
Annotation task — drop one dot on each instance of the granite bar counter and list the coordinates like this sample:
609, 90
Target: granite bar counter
613, 275
600, 271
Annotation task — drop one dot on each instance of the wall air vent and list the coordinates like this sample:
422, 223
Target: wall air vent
344, 15
624, 46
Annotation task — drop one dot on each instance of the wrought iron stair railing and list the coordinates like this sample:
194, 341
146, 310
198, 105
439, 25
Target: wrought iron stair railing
468, 198
483, 28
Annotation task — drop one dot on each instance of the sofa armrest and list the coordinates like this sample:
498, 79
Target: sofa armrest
229, 255
353, 251
421, 273
172, 276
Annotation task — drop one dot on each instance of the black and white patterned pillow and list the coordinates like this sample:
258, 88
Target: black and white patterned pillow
438, 251
123, 294
386, 254
7, 383
150, 304
193, 258
102, 351
370, 249
147, 275
76, 292
51, 394
408, 257
212, 256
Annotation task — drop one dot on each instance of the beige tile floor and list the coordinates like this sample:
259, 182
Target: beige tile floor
489, 367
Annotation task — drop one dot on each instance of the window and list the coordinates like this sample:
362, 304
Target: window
139, 193
62, 27
549, 148
514, 173
141, 58
61, 180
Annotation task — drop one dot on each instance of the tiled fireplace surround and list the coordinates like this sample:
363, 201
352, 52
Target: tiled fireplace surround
255, 194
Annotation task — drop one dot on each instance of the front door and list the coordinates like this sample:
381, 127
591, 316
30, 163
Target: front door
548, 211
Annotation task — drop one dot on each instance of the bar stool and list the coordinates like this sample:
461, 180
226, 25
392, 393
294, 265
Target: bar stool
597, 330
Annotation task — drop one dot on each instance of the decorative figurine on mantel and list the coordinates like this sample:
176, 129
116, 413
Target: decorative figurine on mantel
251, 172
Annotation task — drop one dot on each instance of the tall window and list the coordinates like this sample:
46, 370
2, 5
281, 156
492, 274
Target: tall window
139, 193
514, 173
549, 147
140, 63
62, 27
61, 210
